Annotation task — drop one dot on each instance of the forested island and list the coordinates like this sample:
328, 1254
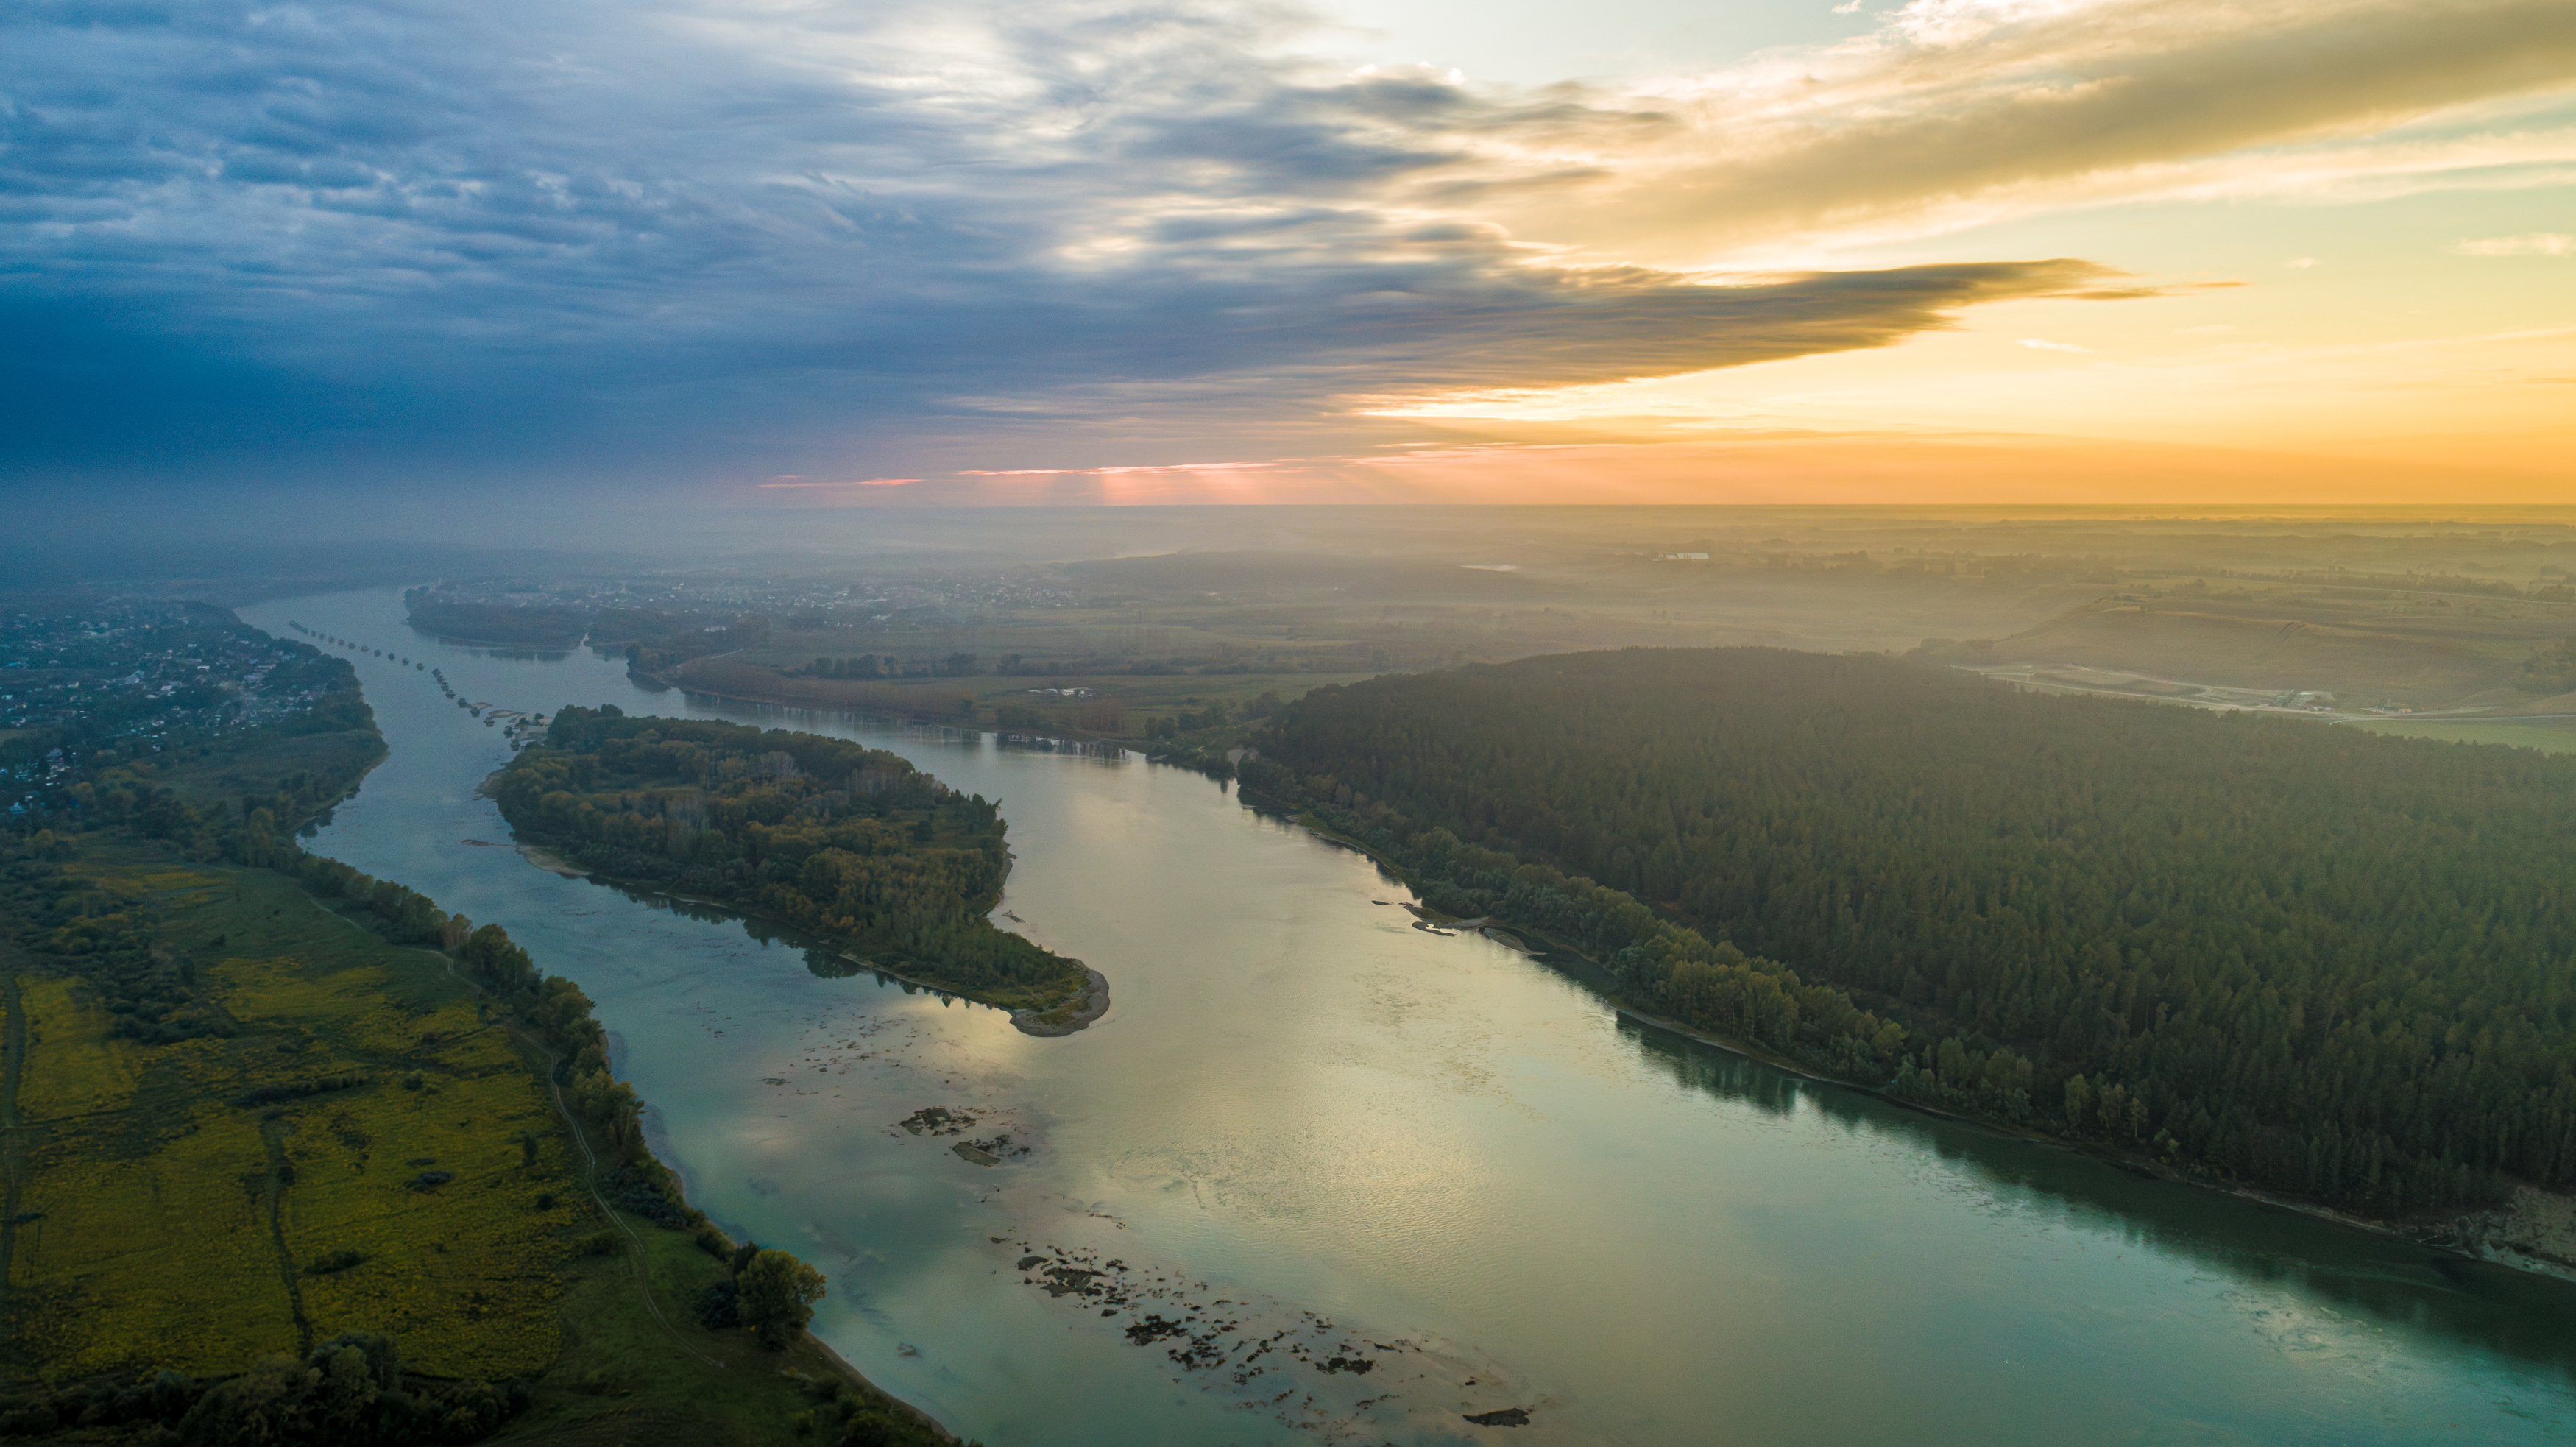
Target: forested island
2305, 959
542, 625
849, 843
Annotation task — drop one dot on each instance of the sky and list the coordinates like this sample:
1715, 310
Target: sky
385, 258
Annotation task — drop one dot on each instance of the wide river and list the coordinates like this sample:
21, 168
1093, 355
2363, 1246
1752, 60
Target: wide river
1309, 1124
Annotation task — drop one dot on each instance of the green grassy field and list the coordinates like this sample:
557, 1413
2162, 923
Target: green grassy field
2277, 644
191, 1209
626, 1380
2365, 646
198, 1204
223, 776
2548, 738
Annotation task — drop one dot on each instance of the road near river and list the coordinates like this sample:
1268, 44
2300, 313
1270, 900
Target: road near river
1320, 1176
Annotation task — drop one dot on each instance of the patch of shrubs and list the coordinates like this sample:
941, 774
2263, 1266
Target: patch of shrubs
107, 942
639, 1194
163, 1396
849, 1418
335, 1263
298, 1090
719, 1306
769, 1293
161, 1023
349, 1391
430, 1180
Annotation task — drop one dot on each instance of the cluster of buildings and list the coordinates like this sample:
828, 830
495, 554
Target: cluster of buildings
135, 681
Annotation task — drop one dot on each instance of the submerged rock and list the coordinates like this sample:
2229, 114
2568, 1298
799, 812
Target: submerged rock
1069, 1280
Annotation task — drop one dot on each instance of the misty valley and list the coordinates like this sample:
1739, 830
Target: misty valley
1198, 997
1347, 723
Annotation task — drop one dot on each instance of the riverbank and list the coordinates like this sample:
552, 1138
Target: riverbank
1212, 760
686, 1273
2533, 1231
874, 708
1192, 759
1075, 1014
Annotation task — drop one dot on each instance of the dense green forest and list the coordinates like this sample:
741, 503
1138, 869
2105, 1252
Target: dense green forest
851, 843
2306, 958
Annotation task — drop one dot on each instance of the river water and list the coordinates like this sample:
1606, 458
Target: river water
1307, 1124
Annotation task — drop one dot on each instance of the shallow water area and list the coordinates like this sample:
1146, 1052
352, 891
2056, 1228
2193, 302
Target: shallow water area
1311, 1125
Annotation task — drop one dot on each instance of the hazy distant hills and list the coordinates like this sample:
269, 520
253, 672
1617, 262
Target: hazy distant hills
1267, 572
2415, 613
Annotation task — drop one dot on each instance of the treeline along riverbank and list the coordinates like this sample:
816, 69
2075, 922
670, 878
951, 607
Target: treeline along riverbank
2305, 959
852, 844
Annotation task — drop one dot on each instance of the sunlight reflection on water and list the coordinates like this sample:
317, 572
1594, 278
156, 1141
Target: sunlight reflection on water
1312, 1107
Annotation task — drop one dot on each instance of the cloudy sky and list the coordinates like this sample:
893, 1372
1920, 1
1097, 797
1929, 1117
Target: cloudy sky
816, 253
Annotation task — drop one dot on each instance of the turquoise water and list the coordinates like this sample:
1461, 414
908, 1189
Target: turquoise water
1460, 1158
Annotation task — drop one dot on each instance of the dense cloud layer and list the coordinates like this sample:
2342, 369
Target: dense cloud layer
404, 229
1959, 110
422, 234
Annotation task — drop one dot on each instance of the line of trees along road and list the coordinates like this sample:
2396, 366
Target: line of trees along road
2311, 959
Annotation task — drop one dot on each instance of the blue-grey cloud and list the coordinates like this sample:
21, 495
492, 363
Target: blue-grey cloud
412, 235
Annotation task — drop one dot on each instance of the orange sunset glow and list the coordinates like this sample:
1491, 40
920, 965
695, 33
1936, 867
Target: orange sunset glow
2091, 250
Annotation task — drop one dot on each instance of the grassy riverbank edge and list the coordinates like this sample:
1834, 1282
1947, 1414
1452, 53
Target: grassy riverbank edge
687, 1269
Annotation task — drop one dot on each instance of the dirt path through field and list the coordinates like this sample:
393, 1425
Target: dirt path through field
13, 1137
281, 1174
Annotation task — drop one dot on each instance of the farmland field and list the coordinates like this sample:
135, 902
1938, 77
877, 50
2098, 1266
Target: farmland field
2550, 738
361, 1145
358, 1152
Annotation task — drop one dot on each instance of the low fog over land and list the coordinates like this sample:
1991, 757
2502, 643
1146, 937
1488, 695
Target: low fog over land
1106, 622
